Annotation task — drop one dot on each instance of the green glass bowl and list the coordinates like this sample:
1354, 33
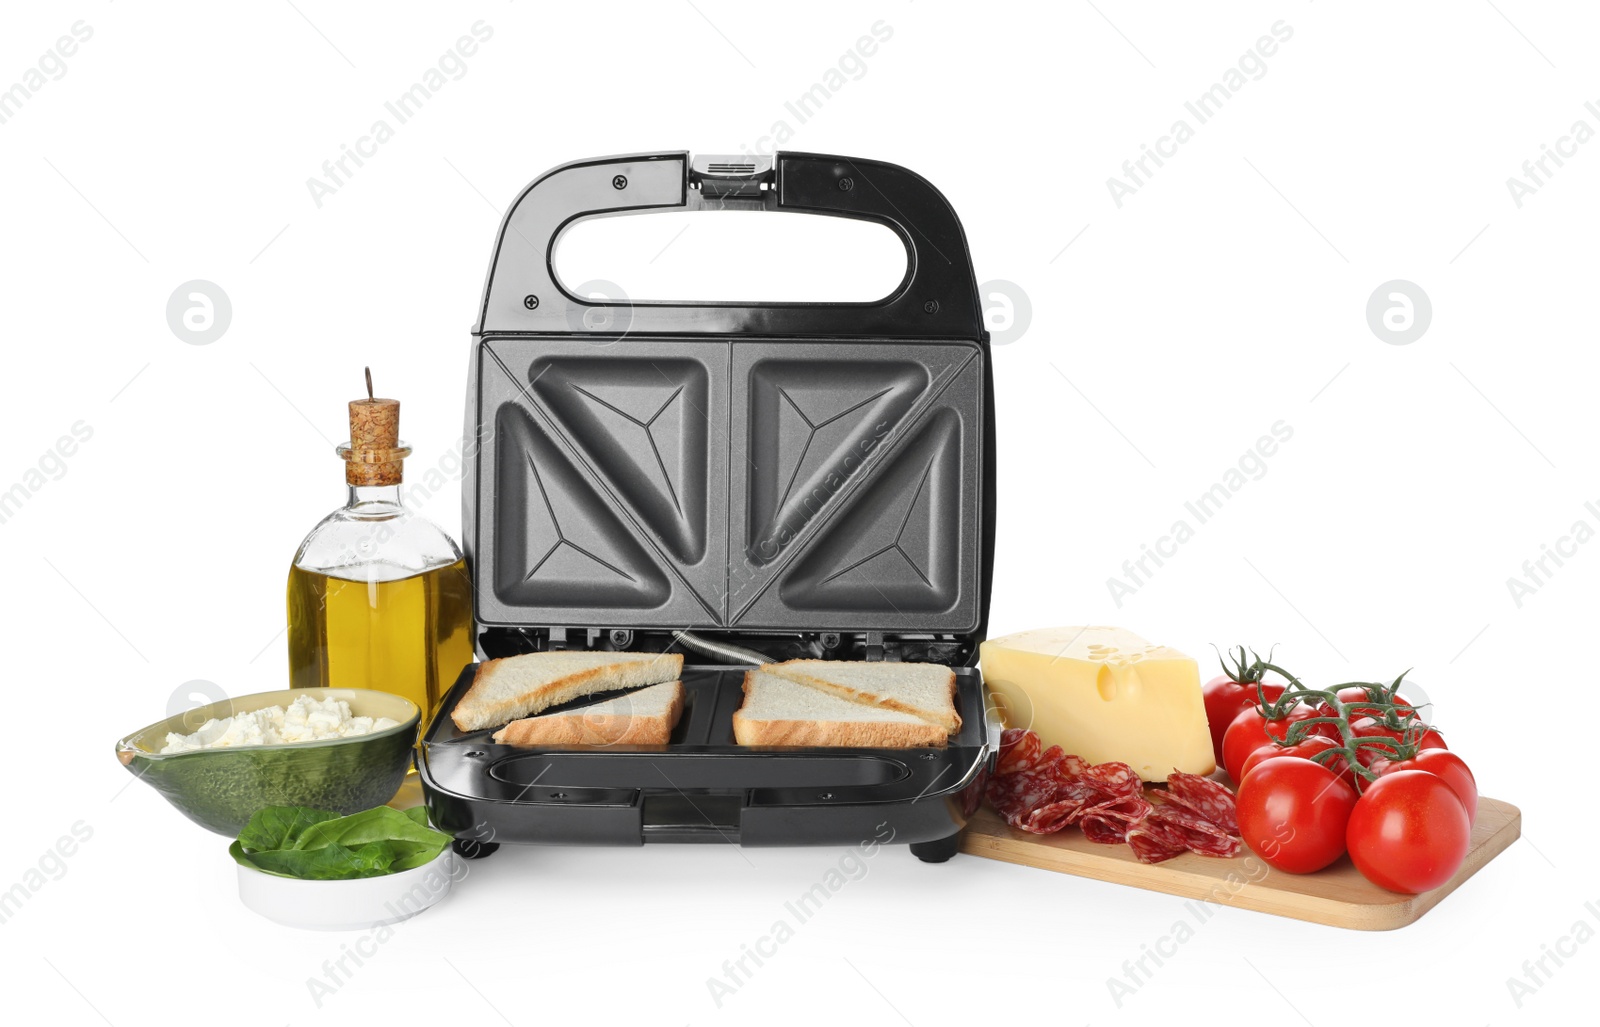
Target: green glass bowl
220, 789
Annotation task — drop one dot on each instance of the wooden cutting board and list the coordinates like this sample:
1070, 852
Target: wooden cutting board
1338, 896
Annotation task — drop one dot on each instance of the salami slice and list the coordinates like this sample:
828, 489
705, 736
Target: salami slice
1222, 848
1219, 847
1108, 823
1130, 808
1104, 830
1053, 816
1040, 801
1019, 749
1185, 819
1016, 795
1205, 797
1117, 779
1153, 842
1039, 791
1083, 790
1194, 832
1052, 762
1043, 791
1074, 765
1005, 789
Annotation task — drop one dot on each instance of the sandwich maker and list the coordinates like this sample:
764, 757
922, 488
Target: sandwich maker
738, 482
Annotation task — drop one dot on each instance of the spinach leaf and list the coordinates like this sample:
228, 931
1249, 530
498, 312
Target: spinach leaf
279, 827
420, 857
381, 824
316, 845
329, 863
237, 852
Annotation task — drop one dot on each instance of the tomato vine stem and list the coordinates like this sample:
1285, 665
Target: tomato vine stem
1379, 705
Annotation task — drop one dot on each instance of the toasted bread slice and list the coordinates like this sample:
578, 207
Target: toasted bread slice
520, 686
645, 717
778, 711
925, 690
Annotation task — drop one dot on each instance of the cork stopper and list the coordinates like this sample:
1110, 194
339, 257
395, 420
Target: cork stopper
374, 454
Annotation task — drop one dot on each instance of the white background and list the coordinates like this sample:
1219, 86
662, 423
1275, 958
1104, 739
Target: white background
1227, 293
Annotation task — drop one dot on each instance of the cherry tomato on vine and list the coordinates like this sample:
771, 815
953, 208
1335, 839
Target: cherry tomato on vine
1306, 749
1369, 727
1446, 766
1294, 814
1358, 703
1409, 833
1251, 730
1226, 698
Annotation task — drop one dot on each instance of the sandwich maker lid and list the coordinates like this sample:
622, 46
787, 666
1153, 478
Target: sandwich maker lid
752, 472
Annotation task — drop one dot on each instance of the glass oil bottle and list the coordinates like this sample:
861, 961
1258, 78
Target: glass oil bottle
378, 596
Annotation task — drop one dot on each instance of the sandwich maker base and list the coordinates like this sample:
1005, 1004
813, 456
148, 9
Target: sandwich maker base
781, 480
703, 786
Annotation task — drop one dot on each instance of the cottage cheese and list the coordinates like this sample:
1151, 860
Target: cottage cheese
305, 720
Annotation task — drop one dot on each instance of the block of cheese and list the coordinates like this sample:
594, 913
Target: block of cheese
1103, 694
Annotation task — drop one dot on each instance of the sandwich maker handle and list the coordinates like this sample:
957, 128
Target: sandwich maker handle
938, 298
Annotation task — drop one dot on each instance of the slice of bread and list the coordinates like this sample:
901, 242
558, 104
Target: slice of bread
778, 711
520, 686
925, 690
645, 717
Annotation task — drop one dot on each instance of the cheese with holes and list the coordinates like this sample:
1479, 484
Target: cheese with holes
1103, 694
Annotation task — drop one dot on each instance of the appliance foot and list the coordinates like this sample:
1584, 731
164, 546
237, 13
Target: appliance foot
471, 848
937, 851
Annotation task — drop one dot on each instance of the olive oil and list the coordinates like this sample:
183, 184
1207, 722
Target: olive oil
410, 635
379, 597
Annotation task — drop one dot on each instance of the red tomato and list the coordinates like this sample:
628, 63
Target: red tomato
1251, 730
1409, 833
1368, 727
1308, 748
1293, 813
1225, 699
1356, 701
1448, 767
